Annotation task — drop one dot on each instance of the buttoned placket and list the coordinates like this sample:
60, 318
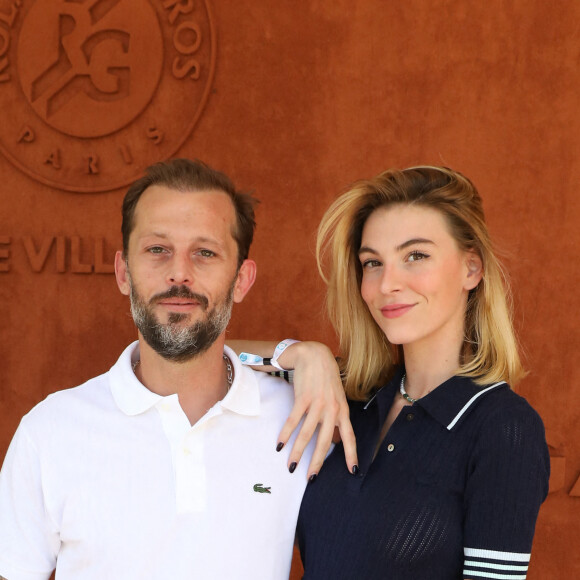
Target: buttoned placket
399, 432
187, 452
397, 437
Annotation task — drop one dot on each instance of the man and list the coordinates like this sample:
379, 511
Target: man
164, 467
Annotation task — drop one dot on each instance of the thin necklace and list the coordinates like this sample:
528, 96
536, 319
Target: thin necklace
230, 372
404, 393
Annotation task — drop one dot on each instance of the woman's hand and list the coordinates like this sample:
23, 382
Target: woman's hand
319, 396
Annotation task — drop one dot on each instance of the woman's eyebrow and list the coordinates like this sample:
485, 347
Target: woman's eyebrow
367, 250
412, 242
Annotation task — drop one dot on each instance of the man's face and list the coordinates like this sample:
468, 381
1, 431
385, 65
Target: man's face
181, 270
177, 339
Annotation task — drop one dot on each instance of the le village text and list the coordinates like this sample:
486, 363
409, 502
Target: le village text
56, 253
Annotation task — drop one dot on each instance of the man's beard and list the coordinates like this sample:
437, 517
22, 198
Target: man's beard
175, 341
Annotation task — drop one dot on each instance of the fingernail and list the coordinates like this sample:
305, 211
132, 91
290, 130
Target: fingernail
292, 467
312, 478
279, 446
355, 469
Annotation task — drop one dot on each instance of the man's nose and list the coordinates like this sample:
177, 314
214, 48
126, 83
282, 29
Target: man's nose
180, 270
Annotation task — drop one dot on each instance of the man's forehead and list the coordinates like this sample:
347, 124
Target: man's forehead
160, 198
161, 191
160, 207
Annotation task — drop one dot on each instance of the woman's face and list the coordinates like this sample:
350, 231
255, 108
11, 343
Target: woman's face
416, 279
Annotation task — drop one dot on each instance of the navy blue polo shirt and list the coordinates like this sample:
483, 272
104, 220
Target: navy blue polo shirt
453, 492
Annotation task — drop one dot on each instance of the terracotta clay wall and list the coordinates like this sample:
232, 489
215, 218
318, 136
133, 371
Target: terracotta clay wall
294, 100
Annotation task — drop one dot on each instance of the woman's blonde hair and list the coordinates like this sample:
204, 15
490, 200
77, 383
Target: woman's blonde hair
490, 350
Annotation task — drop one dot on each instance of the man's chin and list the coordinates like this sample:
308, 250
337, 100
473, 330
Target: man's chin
179, 320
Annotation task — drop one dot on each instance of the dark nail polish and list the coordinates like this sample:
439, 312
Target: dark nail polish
312, 478
292, 467
279, 446
355, 469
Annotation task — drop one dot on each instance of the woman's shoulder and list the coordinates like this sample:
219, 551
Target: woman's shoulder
505, 417
504, 401
487, 411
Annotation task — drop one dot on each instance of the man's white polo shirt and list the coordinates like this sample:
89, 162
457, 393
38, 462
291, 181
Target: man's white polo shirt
109, 480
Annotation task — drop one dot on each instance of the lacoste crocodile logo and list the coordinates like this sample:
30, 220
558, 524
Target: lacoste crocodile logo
259, 489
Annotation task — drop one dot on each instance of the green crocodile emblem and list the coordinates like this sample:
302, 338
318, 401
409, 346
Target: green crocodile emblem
259, 489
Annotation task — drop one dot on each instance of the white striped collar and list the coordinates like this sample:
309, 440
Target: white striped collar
471, 402
449, 403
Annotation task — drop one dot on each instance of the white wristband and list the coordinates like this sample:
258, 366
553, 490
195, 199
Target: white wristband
247, 358
280, 348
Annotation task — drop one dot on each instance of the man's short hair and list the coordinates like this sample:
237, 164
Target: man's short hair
188, 175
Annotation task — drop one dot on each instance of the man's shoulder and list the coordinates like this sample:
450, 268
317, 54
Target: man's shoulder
66, 401
275, 394
270, 383
92, 393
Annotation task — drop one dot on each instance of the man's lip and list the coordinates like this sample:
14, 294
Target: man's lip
396, 310
178, 303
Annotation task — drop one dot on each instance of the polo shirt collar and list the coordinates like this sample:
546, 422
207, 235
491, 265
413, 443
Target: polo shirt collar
449, 404
243, 397
133, 398
452, 401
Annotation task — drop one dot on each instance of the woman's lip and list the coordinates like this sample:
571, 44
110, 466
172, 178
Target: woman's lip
396, 310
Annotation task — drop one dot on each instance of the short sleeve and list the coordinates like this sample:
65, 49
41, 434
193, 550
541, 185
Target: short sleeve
28, 543
507, 482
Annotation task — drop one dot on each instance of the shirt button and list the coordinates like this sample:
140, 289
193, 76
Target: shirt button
410, 416
390, 447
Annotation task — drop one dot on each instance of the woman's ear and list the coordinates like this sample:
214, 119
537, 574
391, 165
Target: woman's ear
474, 270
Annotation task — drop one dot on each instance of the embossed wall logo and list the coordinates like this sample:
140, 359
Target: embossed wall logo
93, 91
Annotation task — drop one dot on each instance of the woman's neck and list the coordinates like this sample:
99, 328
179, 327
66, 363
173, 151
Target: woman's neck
429, 365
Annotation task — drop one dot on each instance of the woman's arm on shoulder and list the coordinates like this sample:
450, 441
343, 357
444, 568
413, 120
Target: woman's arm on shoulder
318, 396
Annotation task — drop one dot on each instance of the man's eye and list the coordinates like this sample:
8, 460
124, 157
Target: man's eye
156, 250
206, 253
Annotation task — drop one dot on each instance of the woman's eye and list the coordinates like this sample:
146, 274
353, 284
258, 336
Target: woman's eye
416, 256
367, 264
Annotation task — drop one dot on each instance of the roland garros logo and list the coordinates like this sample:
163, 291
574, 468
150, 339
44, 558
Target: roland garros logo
93, 91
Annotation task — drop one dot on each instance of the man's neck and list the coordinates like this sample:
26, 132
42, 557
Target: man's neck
199, 382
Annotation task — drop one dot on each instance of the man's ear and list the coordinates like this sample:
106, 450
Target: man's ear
245, 280
474, 270
121, 274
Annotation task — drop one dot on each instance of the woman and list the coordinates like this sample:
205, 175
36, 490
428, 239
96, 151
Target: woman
453, 465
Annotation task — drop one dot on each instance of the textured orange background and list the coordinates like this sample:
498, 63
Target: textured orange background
308, 96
